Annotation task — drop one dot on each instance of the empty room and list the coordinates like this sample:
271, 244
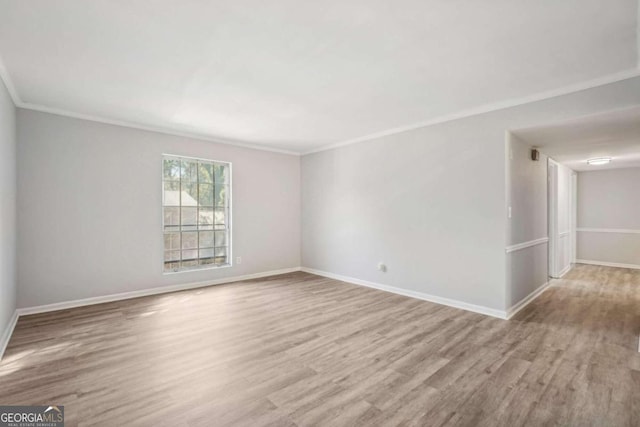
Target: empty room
341, 213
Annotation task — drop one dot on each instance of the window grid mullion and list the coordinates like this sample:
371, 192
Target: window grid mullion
181, 228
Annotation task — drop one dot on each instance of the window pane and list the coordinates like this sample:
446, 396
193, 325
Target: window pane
205, 195
171, 241
196, 213
221, 238
189, 194
206, 239
205, 219
206, 253
189, 264
222, 196
189, 170
189, 240
221, 173
171, 193
205, 172
190, 255
220, 219
172, 256
172, 266
171, 218
171, 169
189, 218
221, 255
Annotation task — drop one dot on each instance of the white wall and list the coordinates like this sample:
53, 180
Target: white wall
609, 205
429, 202
527, 234
409, 201
90, 209
7, 211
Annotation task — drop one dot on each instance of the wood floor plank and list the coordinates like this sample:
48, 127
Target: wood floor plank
299, 349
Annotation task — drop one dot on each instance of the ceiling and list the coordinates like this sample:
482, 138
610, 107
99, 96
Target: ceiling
615, 134
300, 75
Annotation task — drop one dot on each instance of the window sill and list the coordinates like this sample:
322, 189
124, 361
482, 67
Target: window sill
192, 270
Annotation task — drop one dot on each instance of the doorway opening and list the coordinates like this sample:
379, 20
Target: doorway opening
561, 194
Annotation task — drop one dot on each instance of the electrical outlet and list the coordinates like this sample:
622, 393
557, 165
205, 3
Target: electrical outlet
382, 267
238, 260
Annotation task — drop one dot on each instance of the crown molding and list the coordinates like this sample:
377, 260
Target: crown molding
19, 103
149, 128
487, 108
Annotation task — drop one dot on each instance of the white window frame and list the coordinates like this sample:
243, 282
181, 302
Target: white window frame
229, 218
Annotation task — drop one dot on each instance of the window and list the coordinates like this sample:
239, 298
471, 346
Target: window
196, 205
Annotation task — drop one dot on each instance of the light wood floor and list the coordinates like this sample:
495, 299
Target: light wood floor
298, 349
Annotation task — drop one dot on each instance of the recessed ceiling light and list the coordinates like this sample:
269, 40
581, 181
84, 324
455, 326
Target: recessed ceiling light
599, 161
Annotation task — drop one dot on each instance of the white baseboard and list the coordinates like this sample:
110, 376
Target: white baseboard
608, 264
6, 335
565, 271
526, 300
4, 341
412, 294
501, 314
146, 292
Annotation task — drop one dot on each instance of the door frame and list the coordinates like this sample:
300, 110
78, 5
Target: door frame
552, 217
